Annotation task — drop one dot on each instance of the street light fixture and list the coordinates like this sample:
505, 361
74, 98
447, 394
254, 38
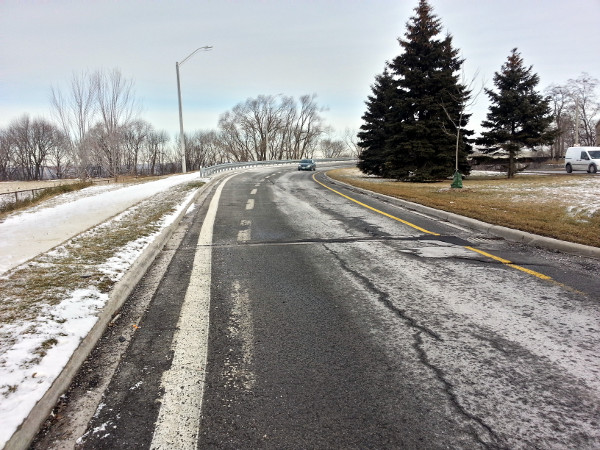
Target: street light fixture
182, 139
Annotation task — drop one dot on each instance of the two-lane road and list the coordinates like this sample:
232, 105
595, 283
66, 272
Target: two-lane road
334, 320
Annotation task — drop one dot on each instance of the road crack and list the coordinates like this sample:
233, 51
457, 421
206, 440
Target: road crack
448, 388
384, 297
419, 331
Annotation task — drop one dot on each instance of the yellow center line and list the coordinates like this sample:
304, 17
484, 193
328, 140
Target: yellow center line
416, 227
488, 255
510, 264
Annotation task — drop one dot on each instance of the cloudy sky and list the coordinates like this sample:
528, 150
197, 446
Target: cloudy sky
333, 48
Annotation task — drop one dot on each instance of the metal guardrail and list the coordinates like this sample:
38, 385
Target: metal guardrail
208, 171
16, 196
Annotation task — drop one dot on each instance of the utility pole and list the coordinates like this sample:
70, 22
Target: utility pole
181, 135
577, 122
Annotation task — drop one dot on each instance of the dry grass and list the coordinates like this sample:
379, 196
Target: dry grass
537, 204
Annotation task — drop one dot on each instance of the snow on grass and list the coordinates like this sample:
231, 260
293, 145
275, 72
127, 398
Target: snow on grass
33, 231
26, 373
580, 196
39, 335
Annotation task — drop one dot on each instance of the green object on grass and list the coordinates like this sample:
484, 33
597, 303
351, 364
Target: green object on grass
457, 180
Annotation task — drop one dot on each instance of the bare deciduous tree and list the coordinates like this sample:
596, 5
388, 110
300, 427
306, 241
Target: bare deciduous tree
117, 107
234, 137
31, 141
4, 156
332, 148
250, 128
205, 150
306, 129
351, 140
272, 127
155, 150
59, 156
583, 90
462, 100
135, 139
561, 102
75, 110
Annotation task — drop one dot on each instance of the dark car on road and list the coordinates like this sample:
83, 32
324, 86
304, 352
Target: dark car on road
307, 164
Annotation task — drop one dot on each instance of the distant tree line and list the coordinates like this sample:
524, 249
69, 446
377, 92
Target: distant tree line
415, 127
97, 131
576, 109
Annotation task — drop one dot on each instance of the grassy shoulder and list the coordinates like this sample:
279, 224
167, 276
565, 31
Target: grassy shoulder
558, 206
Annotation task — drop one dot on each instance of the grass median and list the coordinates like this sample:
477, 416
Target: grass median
557, 206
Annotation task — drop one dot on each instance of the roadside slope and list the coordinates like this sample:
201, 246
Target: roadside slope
28, 233
56, 305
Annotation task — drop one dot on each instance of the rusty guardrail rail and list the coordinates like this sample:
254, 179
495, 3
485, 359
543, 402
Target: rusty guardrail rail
26, 194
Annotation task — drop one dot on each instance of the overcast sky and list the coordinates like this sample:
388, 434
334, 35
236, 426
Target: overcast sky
333, 48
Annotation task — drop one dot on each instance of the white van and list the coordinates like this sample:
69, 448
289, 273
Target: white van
582, 158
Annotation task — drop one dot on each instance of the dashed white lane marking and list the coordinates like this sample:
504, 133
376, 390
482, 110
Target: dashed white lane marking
244, 233
250, 204
178, 420
242, 329
253, 191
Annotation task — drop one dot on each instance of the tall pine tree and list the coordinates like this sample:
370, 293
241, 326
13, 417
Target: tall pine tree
518, 116
374, 133
425, 108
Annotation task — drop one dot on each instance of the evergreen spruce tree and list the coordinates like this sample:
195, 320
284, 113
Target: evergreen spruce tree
429, 102
518, 115
374, 131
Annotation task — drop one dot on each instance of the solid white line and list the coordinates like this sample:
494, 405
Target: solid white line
178, 420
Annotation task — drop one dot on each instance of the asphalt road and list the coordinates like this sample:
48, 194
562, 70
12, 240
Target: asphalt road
334, 320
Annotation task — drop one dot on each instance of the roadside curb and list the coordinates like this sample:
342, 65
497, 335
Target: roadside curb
495, 230
27, 431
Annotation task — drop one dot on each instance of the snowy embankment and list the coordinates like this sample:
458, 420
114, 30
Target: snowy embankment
34, 231
41, 325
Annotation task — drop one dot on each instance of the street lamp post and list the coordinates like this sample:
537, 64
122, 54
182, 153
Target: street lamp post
181, 137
